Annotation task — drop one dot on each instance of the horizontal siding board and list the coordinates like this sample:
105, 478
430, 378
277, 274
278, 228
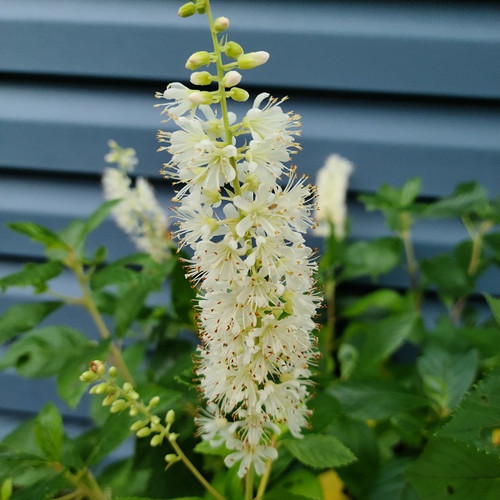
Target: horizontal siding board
430, 49
388, 141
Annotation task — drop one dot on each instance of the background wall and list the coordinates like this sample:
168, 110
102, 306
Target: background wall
401, 89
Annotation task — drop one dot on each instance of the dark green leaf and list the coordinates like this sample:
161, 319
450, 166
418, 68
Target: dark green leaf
14, 463
446, 376
183, 295
467, 198
380, 300
371, 258
376, 400
40, 234
302, 483
452, 470
96, 444
325, 409
205, 448
44, 489
494, 306
35, 275
477, 418
392, 483
319, 451
43, 352
49, 432
23, 317
492, 243
98, 217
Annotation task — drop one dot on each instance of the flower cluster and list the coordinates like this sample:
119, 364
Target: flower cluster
332, 182
244, 213
138, 213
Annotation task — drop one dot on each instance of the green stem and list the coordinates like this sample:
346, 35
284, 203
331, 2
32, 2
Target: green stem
249, 484
264, 480
89, 304
411, 261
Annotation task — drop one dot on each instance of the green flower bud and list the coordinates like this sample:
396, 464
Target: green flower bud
110, 398
138, 425
221, 24
201, 58
201, 6
252, 59
99, 388
127, 387
170, 417
119, 405
113, 372
173, 437
233, 50
201, 78
156, 440
89, 376
240, 95
154, 401
188, 9
171, 458
144, 432
133, 411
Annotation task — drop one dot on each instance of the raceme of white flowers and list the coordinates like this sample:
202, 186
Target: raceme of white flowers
244, 213
332, 181
138, 213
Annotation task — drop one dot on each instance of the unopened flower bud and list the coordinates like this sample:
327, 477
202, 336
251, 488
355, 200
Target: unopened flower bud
113, 372
170, 417
133, 411
221, 24
110, 398
186, 10
138, 425
201, 78
201, 58
201, 6
99, 388
154, 401
89, 376
233, 50
144, 432
231, 79
118, 406
252, 59
171, 457
240, 95
156, 440
201, 97
127, 387
172, 437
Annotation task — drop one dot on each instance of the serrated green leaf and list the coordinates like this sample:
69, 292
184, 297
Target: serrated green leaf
22, 317
43, 352
319, 451
35, 275
98, 217
13, 462
371, 258
376, 399
448, 469
40, 234
477, 418
446, 376
49, 433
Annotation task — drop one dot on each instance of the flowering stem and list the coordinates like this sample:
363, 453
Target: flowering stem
222, 92
88, 302
249, 484
264, 480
